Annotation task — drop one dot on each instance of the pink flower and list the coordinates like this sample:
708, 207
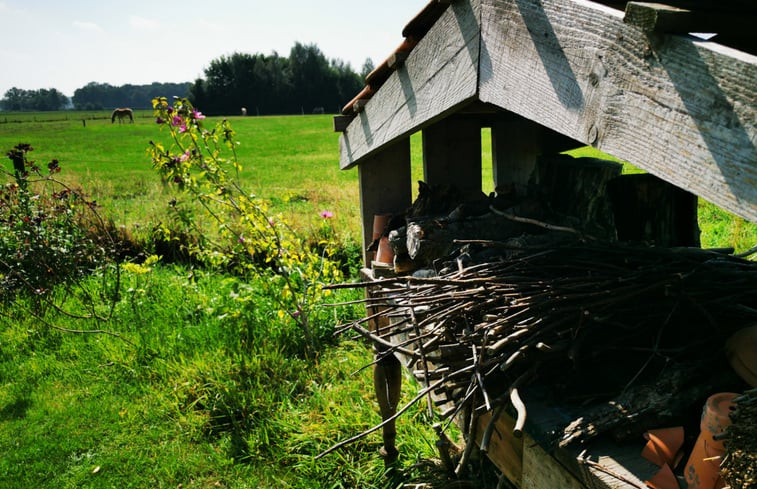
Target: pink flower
176, 121
183, 128
327, 214
185, 156
197, 115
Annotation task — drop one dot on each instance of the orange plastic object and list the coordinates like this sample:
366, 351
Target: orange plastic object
663, 479
703, 467
384, 253
379, 224
664, 446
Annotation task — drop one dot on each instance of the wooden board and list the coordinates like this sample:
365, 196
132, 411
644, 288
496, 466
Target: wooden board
682, 109
385, 187
541, 470
440, 74
505, 450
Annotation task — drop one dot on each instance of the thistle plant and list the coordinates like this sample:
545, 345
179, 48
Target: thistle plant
250, 239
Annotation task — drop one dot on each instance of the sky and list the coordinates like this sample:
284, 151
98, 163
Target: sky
67, 44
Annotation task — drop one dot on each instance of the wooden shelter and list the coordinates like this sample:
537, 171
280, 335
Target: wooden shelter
548, 76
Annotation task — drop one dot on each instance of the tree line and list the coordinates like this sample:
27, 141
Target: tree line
96, 96
304, 82
93, 96
17, 99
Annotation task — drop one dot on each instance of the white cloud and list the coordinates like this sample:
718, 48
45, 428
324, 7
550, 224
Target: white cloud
143, 24
87, 26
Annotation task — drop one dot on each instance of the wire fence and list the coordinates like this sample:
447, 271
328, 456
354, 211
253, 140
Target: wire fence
64, 115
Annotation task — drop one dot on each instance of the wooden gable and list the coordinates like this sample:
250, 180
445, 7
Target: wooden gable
676, 106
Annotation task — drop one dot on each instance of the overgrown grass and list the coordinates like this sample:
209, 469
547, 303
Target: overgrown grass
214, 391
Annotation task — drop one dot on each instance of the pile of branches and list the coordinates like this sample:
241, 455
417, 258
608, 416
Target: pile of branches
591, 319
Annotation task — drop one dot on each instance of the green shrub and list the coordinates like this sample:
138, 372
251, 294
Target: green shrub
249, 240
49, 232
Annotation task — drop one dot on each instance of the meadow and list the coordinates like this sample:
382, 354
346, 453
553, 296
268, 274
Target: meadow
198, 382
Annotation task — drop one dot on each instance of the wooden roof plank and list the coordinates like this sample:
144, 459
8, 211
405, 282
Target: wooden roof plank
681, 109
440, 74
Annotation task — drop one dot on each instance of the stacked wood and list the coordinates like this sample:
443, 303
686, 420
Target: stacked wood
587, 197
589, 319
569, 193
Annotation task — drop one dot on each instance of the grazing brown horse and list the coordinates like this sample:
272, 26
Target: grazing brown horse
121, 114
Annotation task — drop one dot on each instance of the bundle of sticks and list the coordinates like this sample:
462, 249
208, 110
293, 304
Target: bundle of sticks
588, 319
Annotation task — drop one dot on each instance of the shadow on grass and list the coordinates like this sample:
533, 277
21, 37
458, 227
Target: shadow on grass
15, 410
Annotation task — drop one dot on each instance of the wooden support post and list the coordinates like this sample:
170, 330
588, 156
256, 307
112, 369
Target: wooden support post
452, 154
651, 210
385, 186
341, 122
387, 382
517, 143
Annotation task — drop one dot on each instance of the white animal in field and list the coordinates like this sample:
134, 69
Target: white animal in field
244, 110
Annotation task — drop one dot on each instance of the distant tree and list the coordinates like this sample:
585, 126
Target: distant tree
304, 82
15, 99
198, 95
368, 66
105, 96
33, 100
309, 70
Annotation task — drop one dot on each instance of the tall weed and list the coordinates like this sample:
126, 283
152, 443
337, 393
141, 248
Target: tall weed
250, 239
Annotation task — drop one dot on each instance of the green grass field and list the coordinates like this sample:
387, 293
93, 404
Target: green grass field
291, 160
205, 386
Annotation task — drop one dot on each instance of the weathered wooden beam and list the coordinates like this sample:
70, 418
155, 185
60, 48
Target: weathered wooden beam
440, 74
682, 109
384, 185
397, 59
341, 122
505, 450
662, 18
540, 469
359, 105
